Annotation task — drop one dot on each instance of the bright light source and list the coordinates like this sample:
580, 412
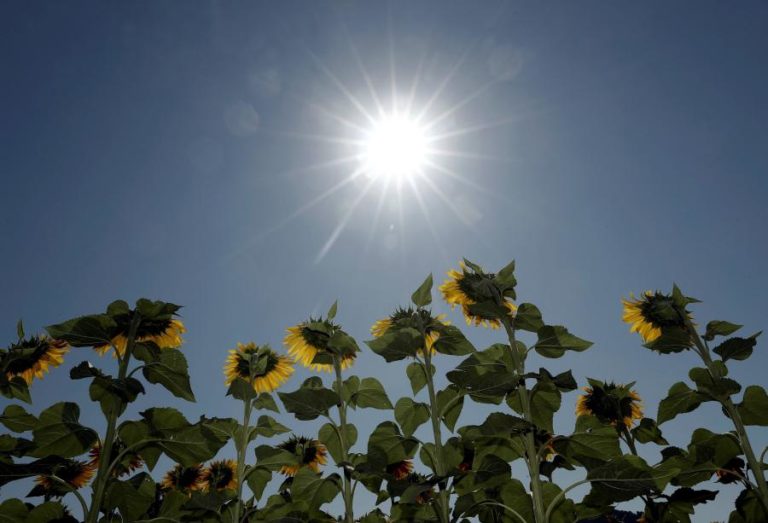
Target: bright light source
395, 148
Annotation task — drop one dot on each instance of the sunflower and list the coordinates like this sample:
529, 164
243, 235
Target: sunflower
220, 475
401, 469
129, 462
166, 334
731, 472
465, 289
610, 403
310, 452
74, 473
33, 357
304, 343
419, 319
182, 478
651, 313
426, 495
276, 369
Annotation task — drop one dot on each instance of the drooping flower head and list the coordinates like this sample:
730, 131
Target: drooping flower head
653, 312
220, 475
419, 319
32, 357
264, 369
129, 463
158, 325
401, 469
610, 403
323, 339
309, 452
482, 296
185, 479
75, 475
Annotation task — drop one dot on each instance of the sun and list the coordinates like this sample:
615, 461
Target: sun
395, 148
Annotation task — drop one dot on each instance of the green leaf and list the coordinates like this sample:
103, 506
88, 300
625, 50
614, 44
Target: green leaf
242, 390
591, 445
417, 375
17, 419
265, 401
48, 512
387, 445
528, 318
371, 394
680, 399
330, 438
423, 295
267, 426
15, 388
308, 403
59, 432
485, 375
114, 395
20, 329
331, 314
449, 404
452, 341
273, 458
85, 331
410, 415
397, 343
13, 511
621, 479
720, 328
648, 432
544, 399
133, 497
754, 406
257, 479
169, 369
718, 387
554, 340
498, 423
737, 348
506, 281
313, 488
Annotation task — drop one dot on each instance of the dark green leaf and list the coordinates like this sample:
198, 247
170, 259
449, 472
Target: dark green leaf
754, 406
170, 371
397, 343
528, 318
309, 403
371, 394
267, 426
59, 432
452, 341
554, 340
680, 399
410, 415
720, 328
737, 348
330, 438
387, 445
423, 295
331, 314
417, 375
17, 419
449, 404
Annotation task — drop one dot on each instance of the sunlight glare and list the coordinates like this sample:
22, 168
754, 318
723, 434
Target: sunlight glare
394, 148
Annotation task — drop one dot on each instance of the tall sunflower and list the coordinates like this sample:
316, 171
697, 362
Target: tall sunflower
469, 288
76, 474
185, 479
32, 358
165, 333
419, 319
310, 338
260, 366
220, 475
310, 453
610, 403
652, 312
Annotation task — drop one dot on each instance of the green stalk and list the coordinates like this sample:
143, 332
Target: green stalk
242, 448
531, 456
102, 475
733, 413
444, 513
347, 490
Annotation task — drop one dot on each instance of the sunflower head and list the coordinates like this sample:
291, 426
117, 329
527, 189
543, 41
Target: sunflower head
309, 453
32, 357
481, 295
184, 479
220, 475
264, 369
157, 324
655, 313
731, 472
401, 469
611, 403
419, 319
129, 463
315, 343
74, 473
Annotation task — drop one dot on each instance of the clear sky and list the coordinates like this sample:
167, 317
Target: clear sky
171, 150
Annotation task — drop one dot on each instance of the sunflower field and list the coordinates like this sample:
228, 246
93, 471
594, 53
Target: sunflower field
511, 468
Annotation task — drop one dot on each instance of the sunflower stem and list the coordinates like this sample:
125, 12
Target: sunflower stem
242, 448
733, 413
532, 458
103, 472
444, 508
347, 489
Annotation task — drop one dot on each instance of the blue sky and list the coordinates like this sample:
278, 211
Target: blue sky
162, 150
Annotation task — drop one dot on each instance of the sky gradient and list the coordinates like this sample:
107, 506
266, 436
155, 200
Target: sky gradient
170, 151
